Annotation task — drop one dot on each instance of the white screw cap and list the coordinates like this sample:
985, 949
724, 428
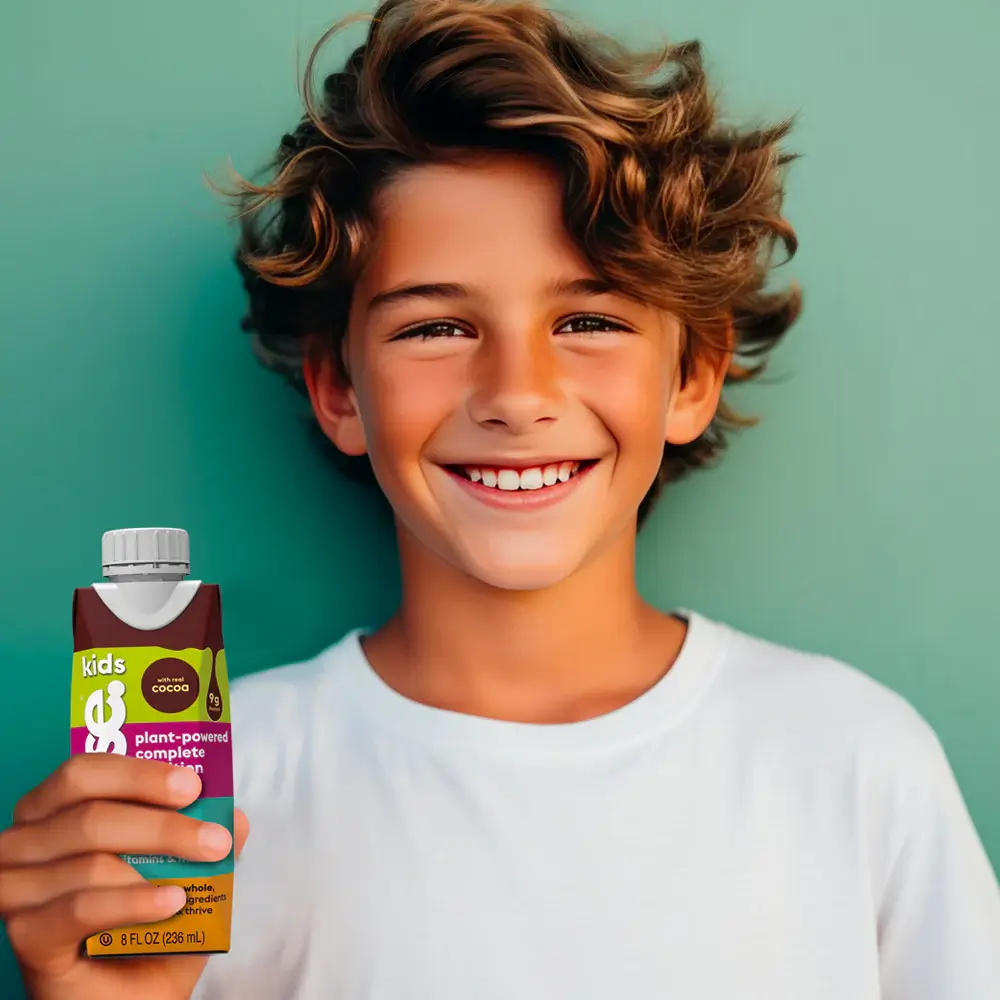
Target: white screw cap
142, 551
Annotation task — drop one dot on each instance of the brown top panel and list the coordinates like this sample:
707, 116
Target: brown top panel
199, 627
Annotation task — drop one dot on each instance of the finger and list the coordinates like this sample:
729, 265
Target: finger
241, 829
113, 828
108, 776
46, 934
36, 885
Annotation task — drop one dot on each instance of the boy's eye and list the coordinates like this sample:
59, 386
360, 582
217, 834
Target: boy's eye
591, 323
430, 331
446, 329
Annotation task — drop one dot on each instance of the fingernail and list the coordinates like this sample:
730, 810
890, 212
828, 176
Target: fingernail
171, 897
215, 839
184, 782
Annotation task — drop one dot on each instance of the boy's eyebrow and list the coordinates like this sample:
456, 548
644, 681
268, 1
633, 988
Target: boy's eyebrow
454, 290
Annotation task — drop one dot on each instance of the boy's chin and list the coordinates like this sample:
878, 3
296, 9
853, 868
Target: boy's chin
511, 569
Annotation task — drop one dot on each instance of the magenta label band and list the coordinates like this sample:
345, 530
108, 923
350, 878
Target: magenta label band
205, 747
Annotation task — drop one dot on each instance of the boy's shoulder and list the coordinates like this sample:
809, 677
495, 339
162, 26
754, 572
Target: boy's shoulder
291, 687
277, 713
813, 702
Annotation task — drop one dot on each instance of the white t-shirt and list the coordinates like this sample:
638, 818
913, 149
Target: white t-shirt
761, 825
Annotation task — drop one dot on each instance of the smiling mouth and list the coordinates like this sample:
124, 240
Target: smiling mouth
508, 480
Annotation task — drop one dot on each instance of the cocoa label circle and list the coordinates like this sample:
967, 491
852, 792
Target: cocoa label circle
170, 685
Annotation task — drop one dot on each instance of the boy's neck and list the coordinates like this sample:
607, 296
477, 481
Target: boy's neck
570, 652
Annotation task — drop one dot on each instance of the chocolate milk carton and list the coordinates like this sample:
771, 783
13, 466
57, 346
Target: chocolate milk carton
150, 681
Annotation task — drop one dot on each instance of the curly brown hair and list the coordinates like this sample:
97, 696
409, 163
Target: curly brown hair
665, 202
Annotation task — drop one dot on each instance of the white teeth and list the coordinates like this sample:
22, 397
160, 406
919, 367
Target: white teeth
534, 478
508, 479
531, 479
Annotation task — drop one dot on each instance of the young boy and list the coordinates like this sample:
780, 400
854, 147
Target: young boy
514, 275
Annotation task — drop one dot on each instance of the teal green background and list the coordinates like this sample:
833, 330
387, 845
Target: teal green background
858, 520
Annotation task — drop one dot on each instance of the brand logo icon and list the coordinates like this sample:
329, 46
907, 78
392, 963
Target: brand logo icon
107, 664
105, 734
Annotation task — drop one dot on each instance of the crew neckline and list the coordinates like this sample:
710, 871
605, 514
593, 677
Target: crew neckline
662, 706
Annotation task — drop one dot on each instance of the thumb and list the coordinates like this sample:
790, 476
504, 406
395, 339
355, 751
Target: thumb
241, 829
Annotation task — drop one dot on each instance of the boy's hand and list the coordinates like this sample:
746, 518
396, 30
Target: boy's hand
61, 879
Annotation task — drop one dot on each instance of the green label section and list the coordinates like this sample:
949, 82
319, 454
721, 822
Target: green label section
148, 684
216, 810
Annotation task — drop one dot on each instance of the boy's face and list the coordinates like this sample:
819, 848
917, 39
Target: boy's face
487, 365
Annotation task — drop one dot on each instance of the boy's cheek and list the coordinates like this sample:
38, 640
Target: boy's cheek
634, 412
405, 414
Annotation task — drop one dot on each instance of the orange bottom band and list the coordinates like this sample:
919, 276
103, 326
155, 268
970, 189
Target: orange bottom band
202, 926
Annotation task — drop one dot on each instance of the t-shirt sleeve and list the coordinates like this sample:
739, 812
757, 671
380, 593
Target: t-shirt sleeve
939, 912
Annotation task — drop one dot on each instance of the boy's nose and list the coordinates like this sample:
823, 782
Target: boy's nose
517, 385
